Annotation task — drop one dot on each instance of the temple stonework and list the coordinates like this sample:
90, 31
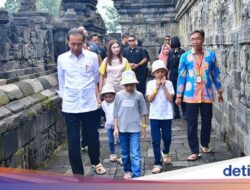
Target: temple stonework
31, 121
227, 28
149, 20
31, 125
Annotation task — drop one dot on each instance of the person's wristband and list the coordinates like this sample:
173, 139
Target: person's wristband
144, 125
155, 91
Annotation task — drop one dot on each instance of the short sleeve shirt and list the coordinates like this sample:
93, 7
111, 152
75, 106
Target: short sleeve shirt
128, 109
114, 72
160, 107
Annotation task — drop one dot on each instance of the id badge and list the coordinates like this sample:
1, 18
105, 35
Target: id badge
198, 79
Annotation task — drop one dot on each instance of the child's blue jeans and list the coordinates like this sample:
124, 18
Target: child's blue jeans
160, 128
131, 152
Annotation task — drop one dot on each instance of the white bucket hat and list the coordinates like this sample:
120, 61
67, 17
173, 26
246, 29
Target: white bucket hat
108, 88
159, 64
128, 77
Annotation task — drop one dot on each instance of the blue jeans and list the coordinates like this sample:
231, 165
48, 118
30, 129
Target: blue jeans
131, 152
90, 122
111, 139
158, 128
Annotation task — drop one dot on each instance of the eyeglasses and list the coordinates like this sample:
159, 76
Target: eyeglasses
196, 39
131, 40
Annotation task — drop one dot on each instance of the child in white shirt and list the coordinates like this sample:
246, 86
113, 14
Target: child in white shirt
160, 94
108, 93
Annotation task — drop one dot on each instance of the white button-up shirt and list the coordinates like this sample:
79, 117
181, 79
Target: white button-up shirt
78, 77
160, 107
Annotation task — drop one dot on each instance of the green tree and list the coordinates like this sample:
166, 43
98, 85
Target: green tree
50, 6
12, 6
111, 19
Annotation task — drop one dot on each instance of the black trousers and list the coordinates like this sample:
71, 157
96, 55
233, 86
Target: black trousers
90, 123
206, 110
84, 142
176, 107
141, 75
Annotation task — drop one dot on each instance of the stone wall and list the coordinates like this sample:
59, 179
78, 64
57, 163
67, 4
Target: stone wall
26, 46
84, 13
149, 20
227, 26
31, 122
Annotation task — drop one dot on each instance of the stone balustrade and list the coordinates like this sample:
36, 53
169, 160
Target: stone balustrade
31, 122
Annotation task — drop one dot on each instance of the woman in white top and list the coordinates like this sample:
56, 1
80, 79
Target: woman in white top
112, 67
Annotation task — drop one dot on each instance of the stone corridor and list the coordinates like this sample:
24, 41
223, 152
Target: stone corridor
179, 150
31, 124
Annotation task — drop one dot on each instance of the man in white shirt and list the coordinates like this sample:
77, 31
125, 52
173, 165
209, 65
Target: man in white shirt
78, 76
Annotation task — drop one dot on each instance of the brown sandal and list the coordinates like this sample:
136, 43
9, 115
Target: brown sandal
99, 169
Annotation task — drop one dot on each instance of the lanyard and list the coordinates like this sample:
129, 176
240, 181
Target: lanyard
199, 63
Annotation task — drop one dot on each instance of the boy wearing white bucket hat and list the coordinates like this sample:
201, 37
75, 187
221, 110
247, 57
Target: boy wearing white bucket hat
108, 94
160, 94
129, 110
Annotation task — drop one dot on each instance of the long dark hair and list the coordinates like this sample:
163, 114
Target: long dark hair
175, 42
110, 54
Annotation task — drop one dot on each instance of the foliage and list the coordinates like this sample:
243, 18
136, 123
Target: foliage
50, 6
12, 6
111, 19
